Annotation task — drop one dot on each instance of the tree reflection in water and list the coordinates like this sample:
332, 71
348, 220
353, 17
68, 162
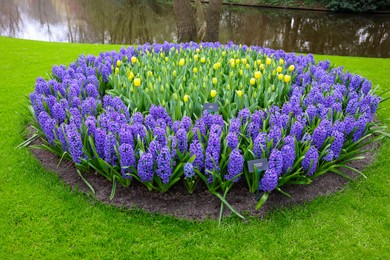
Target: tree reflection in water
140, 21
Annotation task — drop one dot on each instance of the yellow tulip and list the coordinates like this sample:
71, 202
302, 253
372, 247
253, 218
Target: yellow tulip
116, 71
241, 72
255, 94
258, 62
196, 57
281, 61
280, 76
150, 73
181, 62
134, 59
247, 66
118, 63
223, 53
217, 65
137, 82
197, 50
287, 78
262, 67
252, 81
237, 61
174, 73
268, 61
232, 64
279, 69
213, 93
185, 98
257, 74
291, 68
215, 80
239, 93
131, 75
195, 70
203, 59
166, 59
243, 60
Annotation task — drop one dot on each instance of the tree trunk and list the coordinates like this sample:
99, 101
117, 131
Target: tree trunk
186, 28
213, 17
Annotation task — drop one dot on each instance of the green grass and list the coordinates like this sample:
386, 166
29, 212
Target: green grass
40, 217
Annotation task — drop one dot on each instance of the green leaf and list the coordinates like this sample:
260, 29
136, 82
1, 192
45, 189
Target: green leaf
86, 182
113, 189
228, 205
262, 200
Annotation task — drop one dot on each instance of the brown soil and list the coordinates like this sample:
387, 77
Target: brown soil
202, 204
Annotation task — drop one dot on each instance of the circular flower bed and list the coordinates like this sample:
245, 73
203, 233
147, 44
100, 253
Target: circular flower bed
142, 113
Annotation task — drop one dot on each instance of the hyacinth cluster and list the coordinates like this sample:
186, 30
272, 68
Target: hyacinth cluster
118, 114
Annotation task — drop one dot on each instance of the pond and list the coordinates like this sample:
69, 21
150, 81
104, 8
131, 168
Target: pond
137, 21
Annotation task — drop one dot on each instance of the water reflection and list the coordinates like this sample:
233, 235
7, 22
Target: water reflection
139, 21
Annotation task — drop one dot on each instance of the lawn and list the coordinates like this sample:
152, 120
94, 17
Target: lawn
41, 217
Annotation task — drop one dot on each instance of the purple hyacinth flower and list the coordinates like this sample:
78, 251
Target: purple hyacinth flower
189, 170
336, 146
164, 168
360, 126
90, 123
182, 141
75, 117
235, 165
186, 123
244, 115
58, 113
154, 148
176, 126
235, 124
137, 118
309, 163
349, 123
232, 140
197, 150
296, 130
145, 167
126, 135
259, 144
288, 155
319, 136
109, 149
275, 134
61, 134
252, 129
100, 139
127, 159
75, 143
150, 122
269, 181
275, 161
159, 133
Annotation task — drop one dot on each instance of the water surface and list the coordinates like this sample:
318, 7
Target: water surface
140, 21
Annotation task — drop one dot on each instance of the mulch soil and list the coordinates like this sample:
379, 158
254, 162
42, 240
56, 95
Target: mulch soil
201, 204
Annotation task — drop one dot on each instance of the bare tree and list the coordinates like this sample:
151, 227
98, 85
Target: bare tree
186, 28
187, 24
213, 17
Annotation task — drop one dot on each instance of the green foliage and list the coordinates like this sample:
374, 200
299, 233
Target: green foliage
41, 217
357, 6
